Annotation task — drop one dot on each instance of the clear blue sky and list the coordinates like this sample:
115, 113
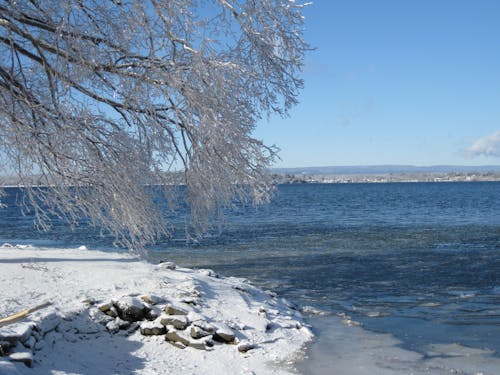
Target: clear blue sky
396, 82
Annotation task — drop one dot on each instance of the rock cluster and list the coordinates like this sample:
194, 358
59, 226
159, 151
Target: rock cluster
180, 325
177, 317
150, 315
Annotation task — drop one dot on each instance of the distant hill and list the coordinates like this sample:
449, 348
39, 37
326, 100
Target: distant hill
386, 169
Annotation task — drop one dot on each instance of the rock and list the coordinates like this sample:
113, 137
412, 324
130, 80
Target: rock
89, 301
134, 326
105, 306
245, 346
176, 336
198, 345
204, 326
117, 324
181, 337
167, 265
197, 332
223, 333
24, 357
48, 323
189, 301
152, 328
130, 309
178, 321
30, 343
112, 312
17, 332
174, 310
4, 348
99, 317
36, 334
201, 344
153, 313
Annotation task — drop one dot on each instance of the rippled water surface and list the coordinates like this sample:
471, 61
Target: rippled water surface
420, 261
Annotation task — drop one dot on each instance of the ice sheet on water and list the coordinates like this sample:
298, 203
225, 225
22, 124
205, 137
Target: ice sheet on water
350, 350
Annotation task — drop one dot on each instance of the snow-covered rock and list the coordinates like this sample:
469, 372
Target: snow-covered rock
177, 336
131, 309
16, 332
148, 328
25, 357
245, 346
198, 333
223, 333
46, 322
178, 321
117, 324
153, 313
204, 325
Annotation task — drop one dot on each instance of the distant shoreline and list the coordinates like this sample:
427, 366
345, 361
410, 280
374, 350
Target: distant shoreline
388, 169
289, 178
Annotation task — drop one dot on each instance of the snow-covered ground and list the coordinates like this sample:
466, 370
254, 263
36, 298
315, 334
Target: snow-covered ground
102, 303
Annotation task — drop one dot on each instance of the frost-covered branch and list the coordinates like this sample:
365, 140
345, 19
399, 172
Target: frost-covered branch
100, 100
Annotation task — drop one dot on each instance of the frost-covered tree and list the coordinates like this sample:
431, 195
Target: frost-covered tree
102, 99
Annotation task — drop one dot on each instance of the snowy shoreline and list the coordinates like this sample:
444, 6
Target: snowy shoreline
204, 324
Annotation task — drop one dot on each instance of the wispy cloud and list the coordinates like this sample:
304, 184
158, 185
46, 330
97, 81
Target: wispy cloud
487, 146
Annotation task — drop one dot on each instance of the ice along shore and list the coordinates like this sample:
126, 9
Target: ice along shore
107, 313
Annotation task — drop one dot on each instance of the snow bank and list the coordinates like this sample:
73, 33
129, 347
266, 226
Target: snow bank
113, 313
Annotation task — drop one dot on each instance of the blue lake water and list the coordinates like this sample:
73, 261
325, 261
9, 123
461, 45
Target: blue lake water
419, 261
